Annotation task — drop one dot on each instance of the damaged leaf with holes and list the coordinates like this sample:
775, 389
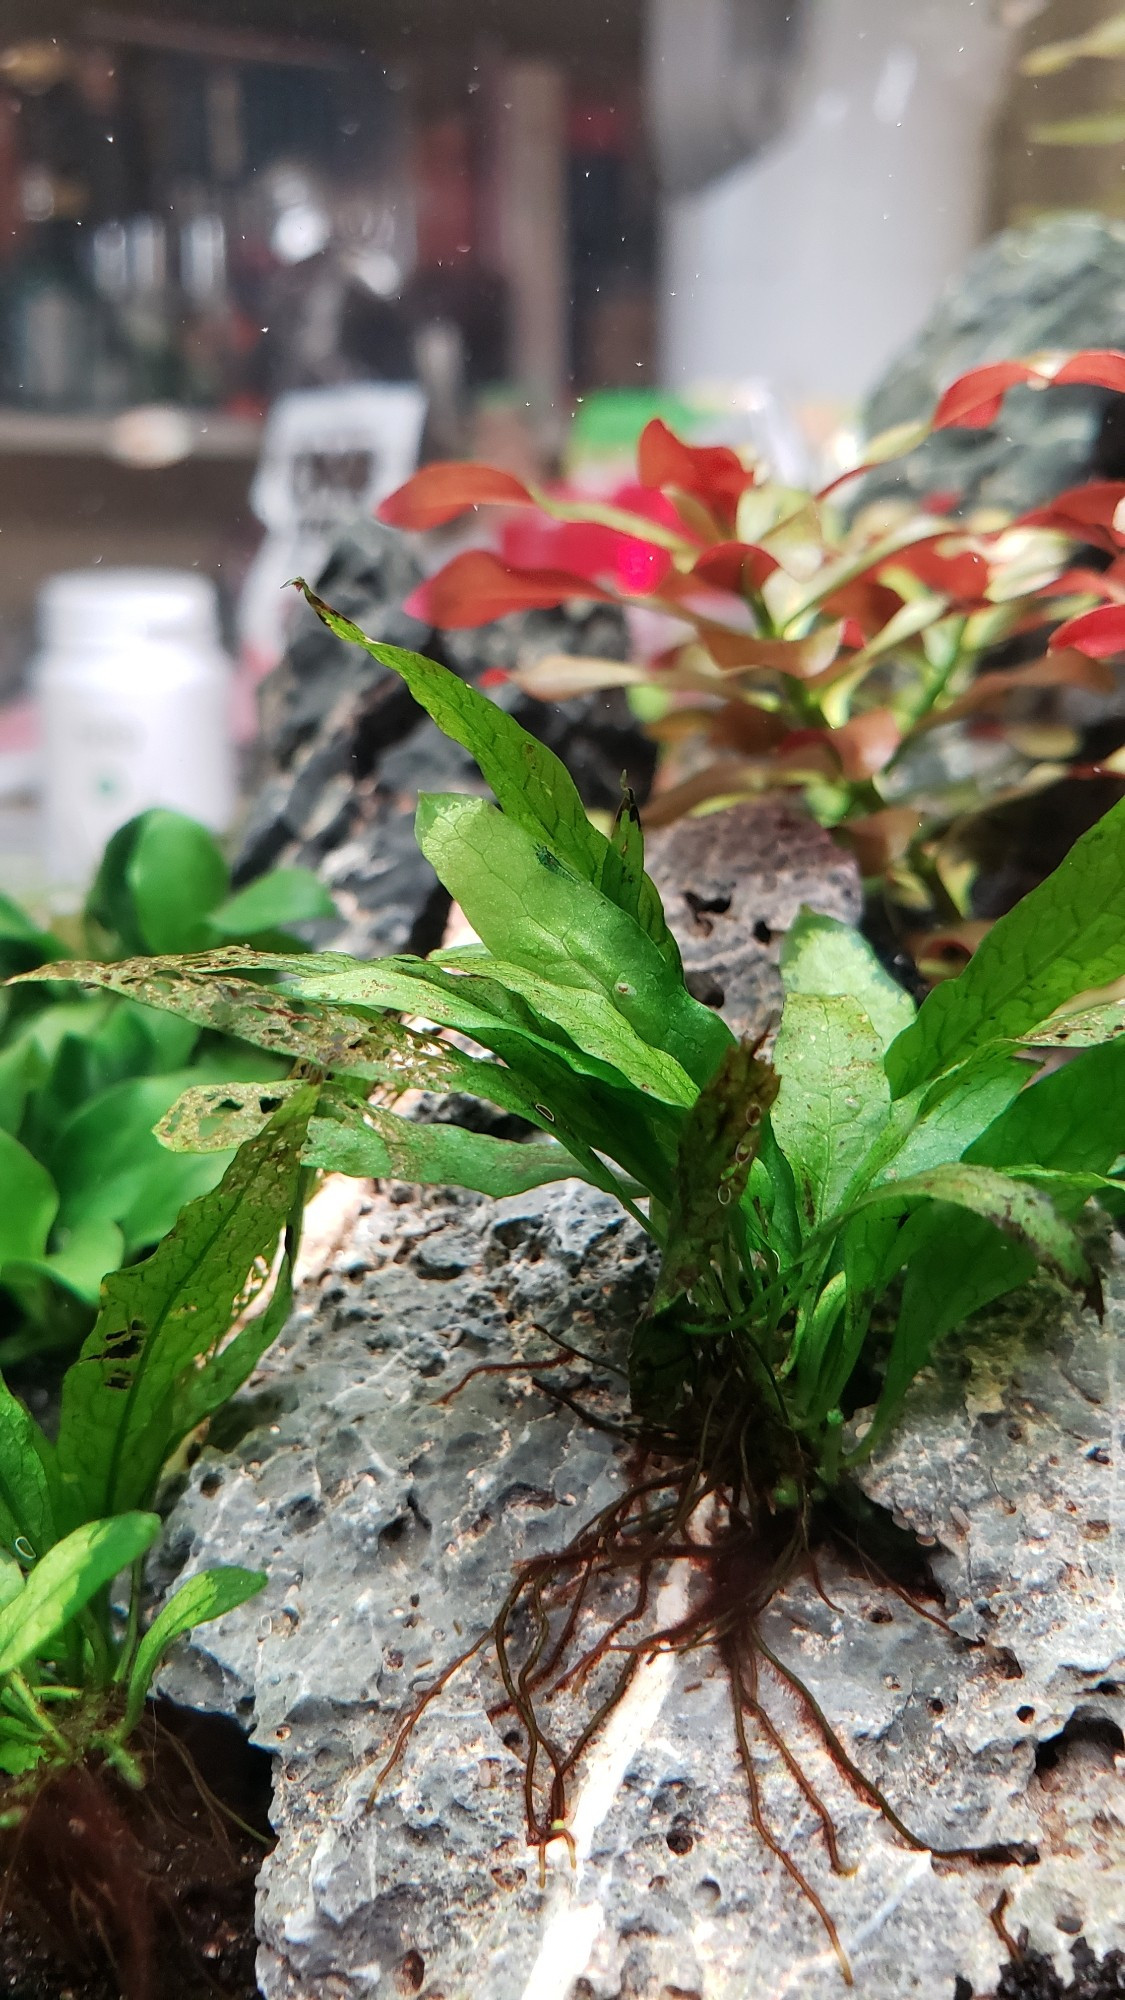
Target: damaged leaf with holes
176, 1335
85, 1078
825, 1211
796, 1199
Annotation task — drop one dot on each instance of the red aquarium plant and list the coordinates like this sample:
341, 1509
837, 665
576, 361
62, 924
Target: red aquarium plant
814, 643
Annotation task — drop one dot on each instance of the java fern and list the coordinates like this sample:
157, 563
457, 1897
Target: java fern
915, 1164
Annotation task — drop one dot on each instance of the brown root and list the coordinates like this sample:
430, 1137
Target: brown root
576, 1625
99, 1877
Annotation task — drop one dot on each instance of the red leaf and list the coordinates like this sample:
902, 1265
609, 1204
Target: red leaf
738, 566
1086, 512
1102, 367
477, 587
1088, 582
975, 399
712, 473
958, 573
532, 541
440, 492
1099, 633
865, 606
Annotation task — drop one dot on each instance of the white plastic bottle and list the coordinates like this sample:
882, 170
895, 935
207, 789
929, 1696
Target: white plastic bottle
134, 695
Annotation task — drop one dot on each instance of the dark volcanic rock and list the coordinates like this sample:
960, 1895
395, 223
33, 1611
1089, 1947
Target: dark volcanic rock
1056, 284
347, 750
732, 883
389, 1522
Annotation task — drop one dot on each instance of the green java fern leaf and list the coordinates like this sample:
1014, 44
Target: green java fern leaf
360, 1140
1067, 937
531, 911
834, 1101
66, 1578
890, 1132
534, 788
163, 1322
209, 1595
825, 958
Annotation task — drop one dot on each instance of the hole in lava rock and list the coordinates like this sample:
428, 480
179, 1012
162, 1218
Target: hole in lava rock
1089, 1732
679, 1838
703, 908
704, 987
411, 1972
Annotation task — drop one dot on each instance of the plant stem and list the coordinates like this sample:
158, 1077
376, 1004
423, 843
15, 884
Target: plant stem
18, 1687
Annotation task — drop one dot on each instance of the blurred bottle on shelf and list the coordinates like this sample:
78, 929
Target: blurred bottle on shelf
131, 275
134, 693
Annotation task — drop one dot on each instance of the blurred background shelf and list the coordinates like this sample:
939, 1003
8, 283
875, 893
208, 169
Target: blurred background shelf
51, 434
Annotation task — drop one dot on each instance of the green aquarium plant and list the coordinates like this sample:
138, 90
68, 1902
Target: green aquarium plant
84, 1079
176, 1334
787, 1196
108, 1832
843, 647
825, 1212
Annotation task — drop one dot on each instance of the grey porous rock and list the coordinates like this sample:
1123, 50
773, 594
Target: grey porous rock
1053, 285
347, 750
389, 1521
732, 882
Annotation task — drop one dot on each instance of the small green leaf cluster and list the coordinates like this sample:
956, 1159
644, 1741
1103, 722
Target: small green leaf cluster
82, 1082
932, 1161
176, 1335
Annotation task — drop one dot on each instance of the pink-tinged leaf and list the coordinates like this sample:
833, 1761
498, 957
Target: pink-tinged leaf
1085, 512
441, 492
1101, 367
726, 778
740, 567
1087, 583
1100, 634
559, 676
801, 659
880, 839
975, 399
865, 608
857, 751
712, 473
741, 726
866, 744
477, 587
990, 691
807, 753
956, 572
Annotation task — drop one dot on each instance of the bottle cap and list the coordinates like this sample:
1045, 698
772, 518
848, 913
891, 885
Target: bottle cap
86, 609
